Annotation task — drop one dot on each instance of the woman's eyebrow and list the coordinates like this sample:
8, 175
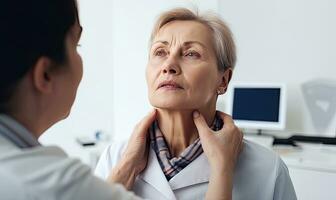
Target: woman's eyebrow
188, 43
161, 41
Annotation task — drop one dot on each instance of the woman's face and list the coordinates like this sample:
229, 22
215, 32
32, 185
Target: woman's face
182, 70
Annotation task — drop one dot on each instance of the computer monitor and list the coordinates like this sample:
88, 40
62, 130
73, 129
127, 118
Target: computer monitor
258, 106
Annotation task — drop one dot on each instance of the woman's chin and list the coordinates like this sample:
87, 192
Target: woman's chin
173, 102
172, 106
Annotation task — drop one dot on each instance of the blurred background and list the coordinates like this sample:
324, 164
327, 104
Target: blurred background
278, 41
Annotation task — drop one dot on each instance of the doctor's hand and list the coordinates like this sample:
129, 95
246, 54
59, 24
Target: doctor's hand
222, 149
134, 158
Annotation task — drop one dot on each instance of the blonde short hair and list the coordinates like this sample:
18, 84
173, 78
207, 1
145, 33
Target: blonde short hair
223, 42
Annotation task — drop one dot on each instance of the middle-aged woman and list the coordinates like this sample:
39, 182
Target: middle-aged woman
40, 70
190, 64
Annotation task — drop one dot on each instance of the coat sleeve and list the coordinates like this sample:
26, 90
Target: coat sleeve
77, 182
48, 173
284, 188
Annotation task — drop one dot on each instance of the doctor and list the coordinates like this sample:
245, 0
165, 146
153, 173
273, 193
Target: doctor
40, 71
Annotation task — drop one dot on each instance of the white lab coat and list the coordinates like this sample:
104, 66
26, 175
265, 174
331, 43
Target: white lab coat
259, 175
47, 173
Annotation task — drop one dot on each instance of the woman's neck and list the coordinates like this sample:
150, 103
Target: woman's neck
179, 129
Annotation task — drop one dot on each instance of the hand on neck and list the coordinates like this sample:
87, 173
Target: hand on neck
179, 129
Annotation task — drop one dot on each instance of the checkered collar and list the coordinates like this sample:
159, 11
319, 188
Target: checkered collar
173, 165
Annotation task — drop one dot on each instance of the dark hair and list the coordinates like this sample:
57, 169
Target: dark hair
31, 29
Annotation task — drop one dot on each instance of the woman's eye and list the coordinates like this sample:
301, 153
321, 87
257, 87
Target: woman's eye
193, 54
160, 52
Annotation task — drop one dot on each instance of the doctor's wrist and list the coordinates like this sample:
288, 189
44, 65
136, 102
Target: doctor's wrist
222, 167
123, 173
220, 185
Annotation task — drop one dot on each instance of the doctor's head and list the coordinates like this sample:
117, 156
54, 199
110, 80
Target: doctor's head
40, 69
191, 59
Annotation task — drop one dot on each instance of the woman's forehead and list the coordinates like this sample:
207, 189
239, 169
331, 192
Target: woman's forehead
184, 31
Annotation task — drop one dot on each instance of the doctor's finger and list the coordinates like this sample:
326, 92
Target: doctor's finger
201, 124
241, 146
145, 123
227, 119
229, 127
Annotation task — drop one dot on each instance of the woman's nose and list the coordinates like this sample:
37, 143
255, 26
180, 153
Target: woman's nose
171, 67
170, 70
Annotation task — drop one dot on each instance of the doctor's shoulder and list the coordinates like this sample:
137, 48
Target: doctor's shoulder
43, 171
109, 158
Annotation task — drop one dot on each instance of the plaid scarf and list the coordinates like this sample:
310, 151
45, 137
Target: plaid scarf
172, 166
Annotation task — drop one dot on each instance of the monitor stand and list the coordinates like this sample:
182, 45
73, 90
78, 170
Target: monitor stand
260, 138
259, 132
255, 132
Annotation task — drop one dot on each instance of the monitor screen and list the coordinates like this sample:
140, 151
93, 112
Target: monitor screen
257, 104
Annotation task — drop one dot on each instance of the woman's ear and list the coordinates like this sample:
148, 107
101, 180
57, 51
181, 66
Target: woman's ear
226, 78
41, 75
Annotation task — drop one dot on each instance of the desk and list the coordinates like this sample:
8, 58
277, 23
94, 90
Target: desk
312, 167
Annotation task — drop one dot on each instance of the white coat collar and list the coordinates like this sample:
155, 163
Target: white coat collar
16, 133
154, 176
196, 172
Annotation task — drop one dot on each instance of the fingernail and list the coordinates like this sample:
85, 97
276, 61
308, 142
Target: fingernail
196, 114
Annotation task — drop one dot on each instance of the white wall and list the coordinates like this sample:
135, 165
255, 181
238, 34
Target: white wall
290, 41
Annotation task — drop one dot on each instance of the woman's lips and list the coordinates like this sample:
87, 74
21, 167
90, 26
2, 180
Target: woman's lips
169, 85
